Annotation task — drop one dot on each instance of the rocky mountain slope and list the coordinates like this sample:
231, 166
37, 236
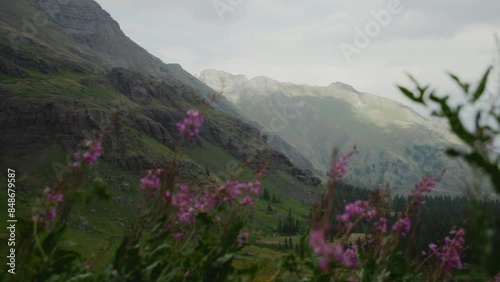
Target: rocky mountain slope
67, 72
396, 145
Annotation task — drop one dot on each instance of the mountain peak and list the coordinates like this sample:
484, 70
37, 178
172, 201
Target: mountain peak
221, 81
345, 86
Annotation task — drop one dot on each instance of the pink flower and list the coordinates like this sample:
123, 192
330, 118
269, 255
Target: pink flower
179, 235
330, 253
339, 168
89, 157
450, 254
425, 185
246, 201
357, 209
402, 226
381, 225
151, 182
350, 258
242, 237
190, 126
45, 210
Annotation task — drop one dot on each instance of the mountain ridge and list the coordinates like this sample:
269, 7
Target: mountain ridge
396, 134
76, 77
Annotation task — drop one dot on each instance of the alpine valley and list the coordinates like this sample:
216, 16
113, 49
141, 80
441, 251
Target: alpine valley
68, 73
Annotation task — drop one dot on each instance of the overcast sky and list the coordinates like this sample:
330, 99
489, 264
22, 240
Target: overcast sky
301, 41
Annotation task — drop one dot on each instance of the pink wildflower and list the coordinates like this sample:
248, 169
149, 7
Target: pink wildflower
242, 237
179, 235
89, 157
151, 182
403, 226
450, 254
45, 210
339, 168
190, 126
329, 253
425, 185
357, 209
381, 225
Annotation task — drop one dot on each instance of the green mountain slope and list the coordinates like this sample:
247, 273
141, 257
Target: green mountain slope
76, 75
396, 145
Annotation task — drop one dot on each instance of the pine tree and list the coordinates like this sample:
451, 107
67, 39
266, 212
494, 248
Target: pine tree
274, 200
265, 195
290, 243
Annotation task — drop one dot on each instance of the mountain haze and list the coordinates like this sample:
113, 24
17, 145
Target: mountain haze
396, 145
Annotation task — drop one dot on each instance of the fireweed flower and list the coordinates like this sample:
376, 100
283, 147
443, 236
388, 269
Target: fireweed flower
402, 226
151, 182
234, 190
331, 253
450, 254
356, 210
381, 225
89, 157
242, 238
425, 185
190, 203
339, 168
45, 210
190, 126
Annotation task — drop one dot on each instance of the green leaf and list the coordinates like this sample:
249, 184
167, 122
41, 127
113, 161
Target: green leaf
453, 153
482, 86
465, 86
64, 259
411, 95
52, 240
222, 260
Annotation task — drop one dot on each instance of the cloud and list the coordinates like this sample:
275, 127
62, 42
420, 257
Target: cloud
298, 41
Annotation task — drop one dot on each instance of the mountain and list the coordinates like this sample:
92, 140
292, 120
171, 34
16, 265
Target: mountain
396, 145
68, 72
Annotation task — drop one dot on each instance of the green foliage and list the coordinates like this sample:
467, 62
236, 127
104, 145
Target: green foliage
486, 126
484, 229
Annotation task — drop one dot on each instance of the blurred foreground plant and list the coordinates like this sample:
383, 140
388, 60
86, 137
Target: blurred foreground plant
480, 153
328, 252
182, 232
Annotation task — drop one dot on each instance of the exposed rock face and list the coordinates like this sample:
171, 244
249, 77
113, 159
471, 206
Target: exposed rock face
222, 81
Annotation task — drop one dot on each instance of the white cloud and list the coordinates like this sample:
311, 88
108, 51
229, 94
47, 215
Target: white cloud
298, 41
